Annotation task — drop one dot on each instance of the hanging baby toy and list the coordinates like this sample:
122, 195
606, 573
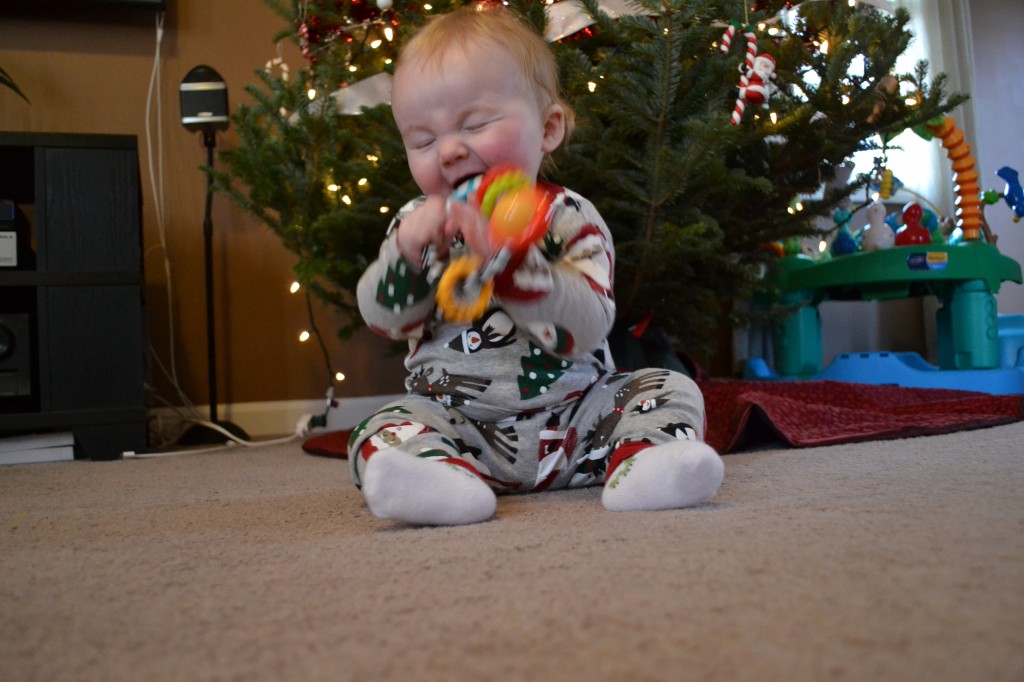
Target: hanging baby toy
518, 213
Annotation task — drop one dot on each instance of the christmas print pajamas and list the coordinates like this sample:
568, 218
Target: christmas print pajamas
526, 396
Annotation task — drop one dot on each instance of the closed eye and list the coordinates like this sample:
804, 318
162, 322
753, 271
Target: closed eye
420, 143
476, 126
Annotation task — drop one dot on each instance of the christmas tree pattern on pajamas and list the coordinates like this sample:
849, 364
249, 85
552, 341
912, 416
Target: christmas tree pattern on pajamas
401, 287
540, 371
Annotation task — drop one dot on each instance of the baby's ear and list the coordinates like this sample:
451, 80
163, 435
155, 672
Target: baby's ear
554, 128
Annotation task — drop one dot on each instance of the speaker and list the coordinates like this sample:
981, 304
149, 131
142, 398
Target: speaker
15, 356
204, 100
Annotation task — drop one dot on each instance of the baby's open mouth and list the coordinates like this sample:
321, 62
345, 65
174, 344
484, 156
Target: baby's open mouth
464, 179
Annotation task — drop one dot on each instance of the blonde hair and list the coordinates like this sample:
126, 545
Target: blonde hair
496, 26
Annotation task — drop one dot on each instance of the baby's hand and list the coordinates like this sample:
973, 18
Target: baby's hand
423, 226
467, 220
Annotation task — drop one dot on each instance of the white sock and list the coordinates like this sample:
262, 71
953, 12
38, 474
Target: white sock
404, 487
682, 473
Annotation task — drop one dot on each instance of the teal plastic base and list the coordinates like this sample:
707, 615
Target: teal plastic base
909, 370
912, 371
964, 278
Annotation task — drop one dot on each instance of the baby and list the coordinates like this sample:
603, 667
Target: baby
525, 397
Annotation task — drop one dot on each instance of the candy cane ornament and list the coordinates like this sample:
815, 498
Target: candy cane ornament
746, 70
730, 31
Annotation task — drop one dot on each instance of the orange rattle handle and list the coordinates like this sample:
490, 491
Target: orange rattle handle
965, 177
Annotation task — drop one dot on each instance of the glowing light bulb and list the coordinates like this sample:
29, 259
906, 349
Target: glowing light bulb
303, 336
311, 93
294, 288
822, 245
376, 43
347, 200
592, 86
339, 376
332, 187
389, 34
384, 209
362, 182
774, 117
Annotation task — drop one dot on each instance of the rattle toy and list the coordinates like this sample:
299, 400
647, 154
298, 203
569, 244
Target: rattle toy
518, 213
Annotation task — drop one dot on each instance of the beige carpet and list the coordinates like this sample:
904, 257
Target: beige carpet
896, 560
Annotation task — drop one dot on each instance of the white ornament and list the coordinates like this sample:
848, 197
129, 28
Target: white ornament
385, 4
568, 16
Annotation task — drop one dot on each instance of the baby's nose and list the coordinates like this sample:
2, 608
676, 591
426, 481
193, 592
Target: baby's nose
452, 151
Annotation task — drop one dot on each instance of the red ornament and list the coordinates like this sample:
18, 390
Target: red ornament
360, 11
583, 34
762, 5
315, 31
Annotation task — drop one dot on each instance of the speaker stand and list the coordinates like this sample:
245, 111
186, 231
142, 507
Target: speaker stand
201, 434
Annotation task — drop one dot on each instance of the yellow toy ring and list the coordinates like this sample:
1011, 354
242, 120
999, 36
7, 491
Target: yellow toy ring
449, 302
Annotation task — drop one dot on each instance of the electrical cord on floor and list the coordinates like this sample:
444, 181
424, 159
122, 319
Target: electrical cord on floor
303, 426
231, 441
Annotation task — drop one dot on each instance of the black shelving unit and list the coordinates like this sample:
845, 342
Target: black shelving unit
82, 298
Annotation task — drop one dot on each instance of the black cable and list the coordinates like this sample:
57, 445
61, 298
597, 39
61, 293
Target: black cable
319, 338
321, 420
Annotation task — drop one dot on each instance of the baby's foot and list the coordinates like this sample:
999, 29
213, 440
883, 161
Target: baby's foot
404, 487
682, 473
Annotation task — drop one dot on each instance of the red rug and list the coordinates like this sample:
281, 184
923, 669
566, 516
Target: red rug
809, 413
742, 414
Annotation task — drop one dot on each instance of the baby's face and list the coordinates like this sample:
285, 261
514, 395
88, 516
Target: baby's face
473, 112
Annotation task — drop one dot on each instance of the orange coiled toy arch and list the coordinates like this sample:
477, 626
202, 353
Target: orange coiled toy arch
965, 177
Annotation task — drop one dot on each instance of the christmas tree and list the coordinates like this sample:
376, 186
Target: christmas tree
700, 123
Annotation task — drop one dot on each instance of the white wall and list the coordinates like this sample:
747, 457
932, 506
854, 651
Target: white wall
997, 104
